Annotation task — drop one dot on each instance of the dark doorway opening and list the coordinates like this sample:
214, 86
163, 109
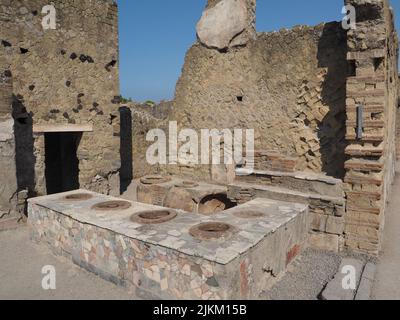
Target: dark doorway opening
62, 164
126, 171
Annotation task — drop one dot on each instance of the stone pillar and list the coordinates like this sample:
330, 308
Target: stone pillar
371, 89
227, 23
8, 177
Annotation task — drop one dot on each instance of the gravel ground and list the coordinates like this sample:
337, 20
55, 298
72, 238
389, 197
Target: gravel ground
306, 277
21, 264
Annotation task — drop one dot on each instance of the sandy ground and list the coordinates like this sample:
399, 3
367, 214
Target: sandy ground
21, 264
387, 283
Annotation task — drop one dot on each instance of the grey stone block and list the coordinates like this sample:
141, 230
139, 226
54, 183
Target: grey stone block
367, 281
8, 172
334, 290
102, 274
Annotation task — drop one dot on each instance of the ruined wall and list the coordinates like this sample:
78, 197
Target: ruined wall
144, 119
289, 86
8, 175
300, 90
64, 76
372, 85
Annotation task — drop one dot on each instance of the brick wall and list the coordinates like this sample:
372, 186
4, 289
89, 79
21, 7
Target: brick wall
273, 161
372, 84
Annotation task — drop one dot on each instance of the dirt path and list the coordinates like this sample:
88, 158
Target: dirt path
387, 283
21, 263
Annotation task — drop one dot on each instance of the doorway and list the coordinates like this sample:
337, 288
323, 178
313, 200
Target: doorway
61, 161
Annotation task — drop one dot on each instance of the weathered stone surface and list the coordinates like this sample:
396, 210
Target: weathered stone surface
178, 198
324, 241
367, 281
224, 174
335, 290
8, 173
300, 181
234, 89
335, 225
221, 23
5, 89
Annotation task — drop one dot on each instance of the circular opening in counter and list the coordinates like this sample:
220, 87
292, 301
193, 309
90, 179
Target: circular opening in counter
112, 206
154, 179
153, 216
215, 203
211, 231
78, 197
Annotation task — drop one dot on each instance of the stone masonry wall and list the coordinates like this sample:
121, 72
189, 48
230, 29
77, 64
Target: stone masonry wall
8, 176
64, 76
372, 85
144, 119
289, 86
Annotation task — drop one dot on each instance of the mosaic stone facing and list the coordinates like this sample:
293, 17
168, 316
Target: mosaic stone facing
164, 260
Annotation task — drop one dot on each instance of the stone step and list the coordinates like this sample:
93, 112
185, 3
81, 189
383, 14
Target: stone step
363, 279
364, 291
252, 191
306, 182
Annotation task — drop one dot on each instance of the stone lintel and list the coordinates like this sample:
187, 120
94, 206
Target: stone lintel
54, 128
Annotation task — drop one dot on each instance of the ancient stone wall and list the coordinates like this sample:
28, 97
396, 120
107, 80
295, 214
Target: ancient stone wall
67, 76
371, 87
5, 90
8, 175
302, 91
289, 86
144, 119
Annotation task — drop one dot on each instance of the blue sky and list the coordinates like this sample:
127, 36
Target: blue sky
155, 35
